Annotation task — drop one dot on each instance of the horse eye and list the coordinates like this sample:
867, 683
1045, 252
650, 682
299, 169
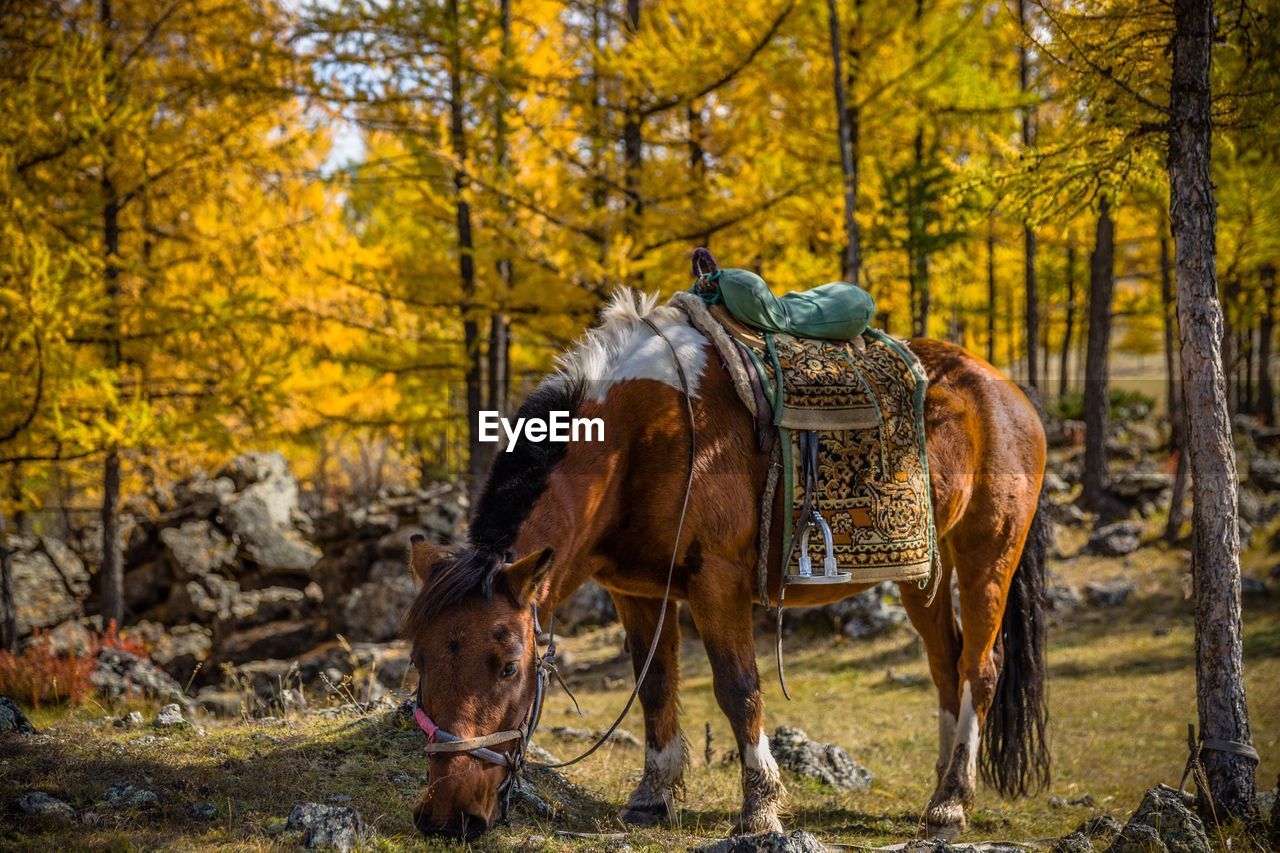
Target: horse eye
510, 669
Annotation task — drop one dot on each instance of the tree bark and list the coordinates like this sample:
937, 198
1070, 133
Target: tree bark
849, 259
1215, 561
1173, 399
1069, 322
112, 573
1266, 336
1028, 233
991, 291
633, 149
8, 607
499, 347
1097, 401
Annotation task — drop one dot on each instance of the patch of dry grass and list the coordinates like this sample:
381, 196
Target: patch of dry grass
1121, 690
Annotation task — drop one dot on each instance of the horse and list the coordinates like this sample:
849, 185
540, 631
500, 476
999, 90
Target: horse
552, 515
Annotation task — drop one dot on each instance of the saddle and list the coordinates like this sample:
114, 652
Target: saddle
840, 406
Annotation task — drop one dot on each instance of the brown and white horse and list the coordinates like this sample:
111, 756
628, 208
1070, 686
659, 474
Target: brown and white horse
566, 512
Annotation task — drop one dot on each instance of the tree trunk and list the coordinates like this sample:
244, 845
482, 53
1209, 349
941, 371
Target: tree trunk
1266, 335
1097, 401
1215, 560
1068, 323
474, 358
1230, 295
848, 165
1028, 233
499, 325
8, 607
633, 150
991, 291
1173, 399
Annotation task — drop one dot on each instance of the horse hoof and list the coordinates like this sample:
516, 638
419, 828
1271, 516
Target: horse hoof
644, 815
756, 825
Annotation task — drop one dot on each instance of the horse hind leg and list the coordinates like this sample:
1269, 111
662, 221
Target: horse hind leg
1000, 582
666, 753
936, 624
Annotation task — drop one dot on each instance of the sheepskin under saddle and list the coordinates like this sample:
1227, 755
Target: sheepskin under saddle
841, 408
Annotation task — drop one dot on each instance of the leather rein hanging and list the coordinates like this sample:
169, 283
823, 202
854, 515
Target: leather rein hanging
440, 741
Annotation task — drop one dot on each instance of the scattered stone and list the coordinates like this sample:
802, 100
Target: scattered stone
1101, 827
327, 826
202, 811
131, 720
197, 548
374, 610
825, 762
1110, 593
1084, 802
1115, 540
1063, 597
170, 716
118, 673
40, 804
1055, 485
123, 795
1067, 514
265, 514
767, 842
1076, 842
1143, 482
1264, 472
1056, 802
904, 679
1162, 821
12, 719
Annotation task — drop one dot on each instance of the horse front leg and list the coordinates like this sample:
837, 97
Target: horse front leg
665, 753
720, 601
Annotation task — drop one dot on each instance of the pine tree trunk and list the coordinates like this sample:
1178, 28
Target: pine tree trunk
8, 607
1173, 400
1215, 561
1266, 336
499, 346
1028, 233
1068, 324
633, 150
473, 357
991, 292
848, 168
1097, 402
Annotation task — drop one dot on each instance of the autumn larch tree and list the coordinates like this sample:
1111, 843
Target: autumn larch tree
1097, 371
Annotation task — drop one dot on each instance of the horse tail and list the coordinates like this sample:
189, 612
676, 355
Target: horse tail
1015, 753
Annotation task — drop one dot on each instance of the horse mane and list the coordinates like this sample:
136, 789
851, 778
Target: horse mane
465, 573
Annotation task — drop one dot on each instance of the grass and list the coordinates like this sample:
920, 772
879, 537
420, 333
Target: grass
1121, 691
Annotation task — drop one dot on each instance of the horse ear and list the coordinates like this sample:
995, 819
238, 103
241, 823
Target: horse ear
525, 575
423, 553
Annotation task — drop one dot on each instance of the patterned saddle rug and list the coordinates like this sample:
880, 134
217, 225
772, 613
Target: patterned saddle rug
849, 416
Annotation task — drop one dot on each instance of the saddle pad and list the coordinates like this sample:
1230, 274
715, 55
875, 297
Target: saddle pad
865, 400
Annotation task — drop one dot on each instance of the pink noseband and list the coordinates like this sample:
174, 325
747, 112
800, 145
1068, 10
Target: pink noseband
425, 723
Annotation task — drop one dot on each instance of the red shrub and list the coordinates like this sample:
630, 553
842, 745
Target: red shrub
39, 674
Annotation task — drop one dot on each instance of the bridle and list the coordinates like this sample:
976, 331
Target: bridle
440, 741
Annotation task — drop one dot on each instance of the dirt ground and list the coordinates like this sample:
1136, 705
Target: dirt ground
1121, 691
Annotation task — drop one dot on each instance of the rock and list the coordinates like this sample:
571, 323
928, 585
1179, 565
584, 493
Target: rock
284, 638
825, 762
265, 515
40, 804
1067, 514
327, 826
1101, 828
202, 811
867, 614
1063, 597
131, 720
196, 548
1110, 593
74, 575
1264, 472
180, 650
374, 609
589, 607
201, 497
1144, 481
395, 545
1115, 540
1162, 821
12, 719
1074, 843
1054, 484
1056, 802
526, 798
122, 795
42, 597
767, 842
118, 673
170, 716
220, 703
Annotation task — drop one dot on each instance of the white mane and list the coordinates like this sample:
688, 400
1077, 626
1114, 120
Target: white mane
623, 347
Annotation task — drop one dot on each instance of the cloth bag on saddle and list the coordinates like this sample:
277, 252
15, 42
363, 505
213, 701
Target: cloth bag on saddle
836, 311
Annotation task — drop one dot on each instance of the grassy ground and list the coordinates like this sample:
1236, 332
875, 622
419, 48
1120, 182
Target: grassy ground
1121, 690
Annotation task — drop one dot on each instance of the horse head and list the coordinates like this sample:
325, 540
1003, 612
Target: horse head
472, 636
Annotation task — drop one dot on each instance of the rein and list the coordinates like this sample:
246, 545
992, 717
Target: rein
440, 741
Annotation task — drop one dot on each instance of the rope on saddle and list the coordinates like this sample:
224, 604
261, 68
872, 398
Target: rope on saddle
671, 566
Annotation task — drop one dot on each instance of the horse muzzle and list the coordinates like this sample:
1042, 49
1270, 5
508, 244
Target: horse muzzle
463, 825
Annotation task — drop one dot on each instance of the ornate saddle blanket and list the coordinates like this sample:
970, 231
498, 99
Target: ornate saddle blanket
849, 416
